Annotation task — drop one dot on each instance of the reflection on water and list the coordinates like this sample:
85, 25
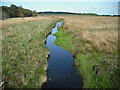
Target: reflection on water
61, 72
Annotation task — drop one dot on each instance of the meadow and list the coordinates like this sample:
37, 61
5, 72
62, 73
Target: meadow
93, 40
24, 54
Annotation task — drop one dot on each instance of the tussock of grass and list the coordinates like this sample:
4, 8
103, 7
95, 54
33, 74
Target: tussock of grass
96, 51
25, 53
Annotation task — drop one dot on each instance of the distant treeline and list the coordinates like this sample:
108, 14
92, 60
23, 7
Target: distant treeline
94, 14
16, 11
70, 13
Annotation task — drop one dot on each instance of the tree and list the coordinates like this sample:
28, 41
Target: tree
21, 11
4, 15
34, 13
14, 11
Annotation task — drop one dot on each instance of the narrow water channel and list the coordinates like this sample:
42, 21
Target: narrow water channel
61, 70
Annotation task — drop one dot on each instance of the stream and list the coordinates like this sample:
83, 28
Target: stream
61, 70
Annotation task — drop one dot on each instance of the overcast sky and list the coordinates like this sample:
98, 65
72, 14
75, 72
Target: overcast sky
103, 7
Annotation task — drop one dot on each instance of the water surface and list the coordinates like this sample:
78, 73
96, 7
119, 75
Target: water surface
61, 72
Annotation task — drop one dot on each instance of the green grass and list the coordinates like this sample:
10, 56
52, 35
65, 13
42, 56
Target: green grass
64, 39
98, 69
25, 54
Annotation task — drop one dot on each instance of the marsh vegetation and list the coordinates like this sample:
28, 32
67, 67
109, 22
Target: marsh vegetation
24, 51
93, 40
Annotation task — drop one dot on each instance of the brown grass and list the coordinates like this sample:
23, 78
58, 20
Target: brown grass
12, 21
100, 32
24, 52
93, 40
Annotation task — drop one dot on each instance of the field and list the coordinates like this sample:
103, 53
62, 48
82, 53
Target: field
93, 40
24, 54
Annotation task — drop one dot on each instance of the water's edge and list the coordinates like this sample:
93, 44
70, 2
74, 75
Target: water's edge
48, 55
48, 83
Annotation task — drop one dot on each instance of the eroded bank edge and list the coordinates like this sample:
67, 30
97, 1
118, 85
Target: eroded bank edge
48, 54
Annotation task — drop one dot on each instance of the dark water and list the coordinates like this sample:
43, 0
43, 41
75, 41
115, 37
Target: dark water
61, 72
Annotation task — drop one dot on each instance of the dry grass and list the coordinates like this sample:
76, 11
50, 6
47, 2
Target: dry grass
94, 42
102, 40
100, 32
12, 21
24, 54
91, 22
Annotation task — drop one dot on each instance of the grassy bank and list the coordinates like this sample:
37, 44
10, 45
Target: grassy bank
94, 43
24, 51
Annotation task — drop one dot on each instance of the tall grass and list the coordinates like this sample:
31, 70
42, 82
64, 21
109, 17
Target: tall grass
25, 53
95, 49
